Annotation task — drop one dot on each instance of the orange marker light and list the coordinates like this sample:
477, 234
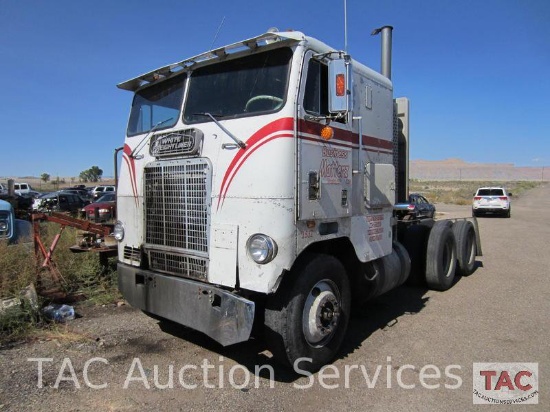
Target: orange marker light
340, 85
327, 133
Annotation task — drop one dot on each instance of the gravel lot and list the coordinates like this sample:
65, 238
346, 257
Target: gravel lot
498, 314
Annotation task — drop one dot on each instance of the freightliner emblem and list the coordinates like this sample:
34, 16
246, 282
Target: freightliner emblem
176, 143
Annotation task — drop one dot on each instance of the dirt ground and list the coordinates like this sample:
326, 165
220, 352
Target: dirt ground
422, 343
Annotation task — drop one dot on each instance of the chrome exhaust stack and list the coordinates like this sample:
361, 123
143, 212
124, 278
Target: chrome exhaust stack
386, 31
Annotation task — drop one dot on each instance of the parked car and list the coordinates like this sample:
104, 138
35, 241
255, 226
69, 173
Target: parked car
58, 202
418, 207
105, 206
492, 200
3, 189
31, 194
99, 191
83, 193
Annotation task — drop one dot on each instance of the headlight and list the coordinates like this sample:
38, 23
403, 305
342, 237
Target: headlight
118, 231
261, 248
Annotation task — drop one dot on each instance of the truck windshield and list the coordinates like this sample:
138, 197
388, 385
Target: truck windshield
155, 104
240, 87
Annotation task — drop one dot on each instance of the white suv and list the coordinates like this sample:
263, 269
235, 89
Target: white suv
492, 200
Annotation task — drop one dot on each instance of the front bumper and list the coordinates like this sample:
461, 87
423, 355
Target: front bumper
222, 315
490, 209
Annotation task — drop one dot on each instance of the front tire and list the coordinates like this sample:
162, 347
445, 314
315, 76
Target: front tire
309, 314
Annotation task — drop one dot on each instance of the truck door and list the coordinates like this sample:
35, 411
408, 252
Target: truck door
324, 164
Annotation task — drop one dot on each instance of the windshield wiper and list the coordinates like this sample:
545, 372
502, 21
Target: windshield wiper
155, 127
238, 141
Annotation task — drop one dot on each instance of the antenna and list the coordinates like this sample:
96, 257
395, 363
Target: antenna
346, 26
217, 32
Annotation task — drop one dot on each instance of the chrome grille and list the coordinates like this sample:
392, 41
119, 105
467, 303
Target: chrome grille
188, 266
132, 253
177, 210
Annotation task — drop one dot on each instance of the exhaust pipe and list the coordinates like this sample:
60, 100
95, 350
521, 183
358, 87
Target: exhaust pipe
386, 49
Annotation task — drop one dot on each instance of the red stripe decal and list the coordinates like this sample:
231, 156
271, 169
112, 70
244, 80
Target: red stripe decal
248, 153
284, 127
346, 145
345, 135
252, 145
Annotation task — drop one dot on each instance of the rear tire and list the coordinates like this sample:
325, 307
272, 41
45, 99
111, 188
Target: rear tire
441, 257
466, 247
308, 316
404, 260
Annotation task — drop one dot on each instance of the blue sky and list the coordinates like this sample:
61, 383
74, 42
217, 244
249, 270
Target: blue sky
476, 71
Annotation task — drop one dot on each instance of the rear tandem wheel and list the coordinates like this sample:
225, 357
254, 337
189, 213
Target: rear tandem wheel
466, 247
441, 256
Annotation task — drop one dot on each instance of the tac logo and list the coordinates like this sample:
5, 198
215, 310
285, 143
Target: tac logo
506, 383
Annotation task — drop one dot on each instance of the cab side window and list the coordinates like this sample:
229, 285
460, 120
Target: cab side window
316, 93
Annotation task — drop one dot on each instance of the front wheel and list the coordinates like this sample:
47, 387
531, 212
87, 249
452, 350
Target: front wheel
308, 316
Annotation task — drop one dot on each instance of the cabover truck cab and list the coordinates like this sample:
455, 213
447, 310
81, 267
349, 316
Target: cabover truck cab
257, 188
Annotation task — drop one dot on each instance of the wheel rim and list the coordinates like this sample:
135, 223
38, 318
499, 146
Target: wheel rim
321, 313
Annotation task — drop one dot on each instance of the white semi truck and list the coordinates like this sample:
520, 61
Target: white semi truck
258, 186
